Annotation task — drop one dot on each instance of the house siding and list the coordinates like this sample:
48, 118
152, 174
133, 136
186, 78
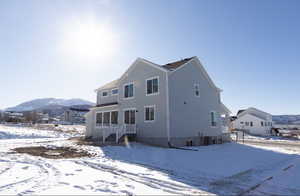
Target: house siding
139, 75
108, 99
256, 129
190, 115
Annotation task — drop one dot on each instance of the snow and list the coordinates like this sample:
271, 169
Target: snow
231, 168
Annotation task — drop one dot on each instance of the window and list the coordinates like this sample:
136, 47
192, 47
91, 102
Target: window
114, 91
242, 122
213, 119
262, 123
197, 90
128, 90
129, 116
152, 86
98, 119
247, 123
266, 124
104, 93
106, 118
114, 117
251, 124
149, 113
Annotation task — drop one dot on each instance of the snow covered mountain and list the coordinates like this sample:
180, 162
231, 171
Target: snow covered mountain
47, 103
286, 119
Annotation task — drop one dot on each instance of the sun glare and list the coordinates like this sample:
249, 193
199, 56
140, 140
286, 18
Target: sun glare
90, 41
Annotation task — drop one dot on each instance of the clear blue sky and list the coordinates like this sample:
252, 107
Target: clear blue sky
250, 48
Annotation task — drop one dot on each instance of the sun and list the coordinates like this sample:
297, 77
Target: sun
90, 40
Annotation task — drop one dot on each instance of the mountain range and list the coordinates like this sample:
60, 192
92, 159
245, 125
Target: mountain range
48, 103
286, 119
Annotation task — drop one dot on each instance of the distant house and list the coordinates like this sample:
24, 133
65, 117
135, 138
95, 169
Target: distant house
75, 115
254, 121
173, 104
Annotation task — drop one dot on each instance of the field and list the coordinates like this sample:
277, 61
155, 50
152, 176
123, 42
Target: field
46, 161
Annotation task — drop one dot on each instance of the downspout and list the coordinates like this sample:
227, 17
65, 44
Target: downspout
168, 109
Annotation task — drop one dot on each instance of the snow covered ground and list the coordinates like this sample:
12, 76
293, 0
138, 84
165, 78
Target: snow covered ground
231, 168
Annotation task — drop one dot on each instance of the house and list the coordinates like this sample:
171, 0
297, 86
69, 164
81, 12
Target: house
175, 104
75, 115
254, 121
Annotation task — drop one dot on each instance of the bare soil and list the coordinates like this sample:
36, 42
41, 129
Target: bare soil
53, 152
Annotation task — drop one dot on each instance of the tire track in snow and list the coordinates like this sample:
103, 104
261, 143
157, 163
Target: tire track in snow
47, 176
166, 186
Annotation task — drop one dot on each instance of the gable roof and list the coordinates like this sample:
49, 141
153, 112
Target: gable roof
109, 85
169, 67
254, 112
174, 65
240, 111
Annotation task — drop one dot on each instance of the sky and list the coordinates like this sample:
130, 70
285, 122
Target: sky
68, 48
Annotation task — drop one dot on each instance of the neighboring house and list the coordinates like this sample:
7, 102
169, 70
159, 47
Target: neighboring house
75, 115
174, 104
254, 121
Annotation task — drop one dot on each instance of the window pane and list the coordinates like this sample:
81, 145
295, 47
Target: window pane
146, 113
114, 91
131, 90
149, 86
104, 94
114, 117
126, 116
98, 119
152, 113
155, 85
126, 91
132, 117
213, 119
106, 118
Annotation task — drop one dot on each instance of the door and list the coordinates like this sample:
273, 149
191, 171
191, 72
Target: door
130, 120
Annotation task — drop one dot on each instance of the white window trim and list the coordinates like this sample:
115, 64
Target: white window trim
104, 92
198, 85
149, 106
129, 109
210, 120
133, 90
111, 92
103, 117
146, 81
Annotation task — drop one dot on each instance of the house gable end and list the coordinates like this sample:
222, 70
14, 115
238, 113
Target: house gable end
202, 69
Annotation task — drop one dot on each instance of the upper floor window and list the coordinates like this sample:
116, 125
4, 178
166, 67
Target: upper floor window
213, 119
262, 123
247, 123
197, 90
152, 86
128, 90
251, 124
104, 94
114, 91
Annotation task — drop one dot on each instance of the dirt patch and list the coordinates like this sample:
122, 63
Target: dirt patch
53, 152
90, 142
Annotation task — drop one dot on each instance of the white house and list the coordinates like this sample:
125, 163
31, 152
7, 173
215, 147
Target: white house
175, 104
254, 121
